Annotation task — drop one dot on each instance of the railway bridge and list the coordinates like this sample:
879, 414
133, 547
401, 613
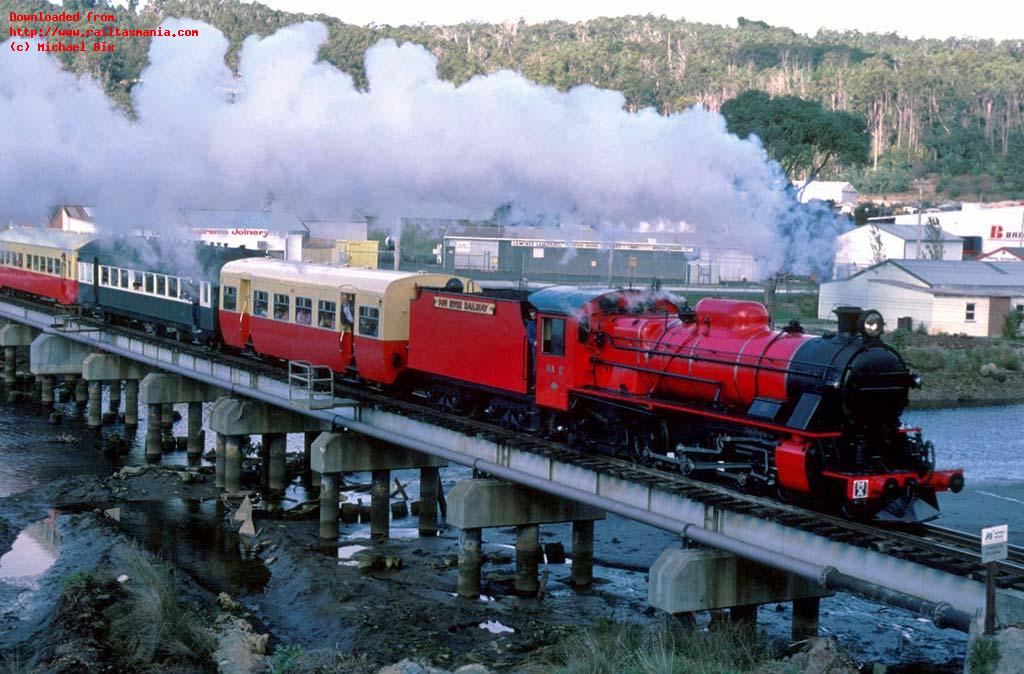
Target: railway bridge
737, 551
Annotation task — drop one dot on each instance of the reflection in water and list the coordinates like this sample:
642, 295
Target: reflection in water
190, 534
34, 551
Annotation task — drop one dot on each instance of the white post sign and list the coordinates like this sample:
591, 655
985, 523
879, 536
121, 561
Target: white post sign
994, 543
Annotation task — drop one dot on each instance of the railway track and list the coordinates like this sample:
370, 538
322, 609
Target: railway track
929, 545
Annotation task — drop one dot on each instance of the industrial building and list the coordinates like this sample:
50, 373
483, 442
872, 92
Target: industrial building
1005, 254
869, 244
968, 297
984, 227
842, 194
587, 256
322, 240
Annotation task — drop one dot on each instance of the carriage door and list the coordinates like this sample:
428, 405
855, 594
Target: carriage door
552, 364
244, 307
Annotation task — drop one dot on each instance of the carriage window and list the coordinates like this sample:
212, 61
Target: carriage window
104, 276
282, 307
326, 313
969, 314
137, 280
259, 303
124, 278
49, 265
57, 267
85, 272
172, 287
369, 321
149, 283
554, 336
204, 293
21, 259
230, 302
161, 285
303, 310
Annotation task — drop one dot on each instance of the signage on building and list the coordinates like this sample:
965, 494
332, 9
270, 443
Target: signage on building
462, 247
464, 304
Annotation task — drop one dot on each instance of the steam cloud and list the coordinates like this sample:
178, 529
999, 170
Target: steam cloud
411, 145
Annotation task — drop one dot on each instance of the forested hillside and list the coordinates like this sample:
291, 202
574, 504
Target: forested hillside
953, 108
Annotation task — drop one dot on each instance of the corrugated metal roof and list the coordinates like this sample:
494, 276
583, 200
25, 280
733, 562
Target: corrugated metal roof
957, 291
79, 212
963, 273
588, 234
909, 232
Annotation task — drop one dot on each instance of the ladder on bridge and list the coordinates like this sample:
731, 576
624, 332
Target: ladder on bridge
310, 386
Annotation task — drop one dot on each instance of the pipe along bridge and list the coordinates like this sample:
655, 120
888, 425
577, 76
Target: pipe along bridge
749, 550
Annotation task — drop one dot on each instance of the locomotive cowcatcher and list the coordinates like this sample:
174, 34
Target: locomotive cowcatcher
713, 390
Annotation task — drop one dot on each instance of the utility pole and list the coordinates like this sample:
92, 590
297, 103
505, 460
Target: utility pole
920, 207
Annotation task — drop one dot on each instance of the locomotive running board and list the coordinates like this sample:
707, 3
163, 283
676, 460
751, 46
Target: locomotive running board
652, 403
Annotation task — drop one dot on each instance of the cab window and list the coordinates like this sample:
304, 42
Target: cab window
553, 331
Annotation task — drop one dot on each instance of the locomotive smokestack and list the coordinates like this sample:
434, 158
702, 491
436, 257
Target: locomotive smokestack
847, 317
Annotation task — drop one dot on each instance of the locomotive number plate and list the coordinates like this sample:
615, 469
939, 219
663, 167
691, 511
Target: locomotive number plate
860, 489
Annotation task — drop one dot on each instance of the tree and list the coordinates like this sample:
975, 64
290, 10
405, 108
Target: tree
877, 247
799, 134
933, 239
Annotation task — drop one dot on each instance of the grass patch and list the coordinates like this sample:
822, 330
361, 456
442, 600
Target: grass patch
937, 359
14, 663
983, 657
152, 625
627, 648
285, 660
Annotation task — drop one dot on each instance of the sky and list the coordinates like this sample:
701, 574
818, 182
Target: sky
912, 18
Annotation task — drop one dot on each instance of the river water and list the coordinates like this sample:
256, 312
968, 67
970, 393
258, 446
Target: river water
986, 442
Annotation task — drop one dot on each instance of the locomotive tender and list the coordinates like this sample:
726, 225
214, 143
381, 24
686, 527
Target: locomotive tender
712, 390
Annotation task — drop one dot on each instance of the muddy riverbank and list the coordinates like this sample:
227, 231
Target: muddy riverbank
315, 599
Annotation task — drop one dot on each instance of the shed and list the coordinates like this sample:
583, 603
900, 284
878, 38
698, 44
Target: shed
863, 246
969, 297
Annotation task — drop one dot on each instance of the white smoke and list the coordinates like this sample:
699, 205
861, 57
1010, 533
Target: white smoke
410, 145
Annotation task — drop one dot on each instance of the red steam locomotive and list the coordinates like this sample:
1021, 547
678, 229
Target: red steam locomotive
713, 390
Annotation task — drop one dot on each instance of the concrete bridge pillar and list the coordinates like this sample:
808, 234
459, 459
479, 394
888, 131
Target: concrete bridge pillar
480, 504
334, 453
167, 417
582, 553
329, 495
196, 434
430, 486
309, 478
160, 391
154, 434
100, 368
220, 465
46, 383
81, 392
114, 398
700, 579
276, 447
52, 356
237, 417
10, 363
380, 498
527, 559
805, 618
233, 463
95, 410
12, 336
131, 403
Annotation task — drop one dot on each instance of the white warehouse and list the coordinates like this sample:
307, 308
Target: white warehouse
869, 244
968, 297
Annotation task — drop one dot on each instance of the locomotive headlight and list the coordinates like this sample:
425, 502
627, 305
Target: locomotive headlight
871, 324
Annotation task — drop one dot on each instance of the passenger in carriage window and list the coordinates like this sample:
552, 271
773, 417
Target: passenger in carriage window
347, 315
